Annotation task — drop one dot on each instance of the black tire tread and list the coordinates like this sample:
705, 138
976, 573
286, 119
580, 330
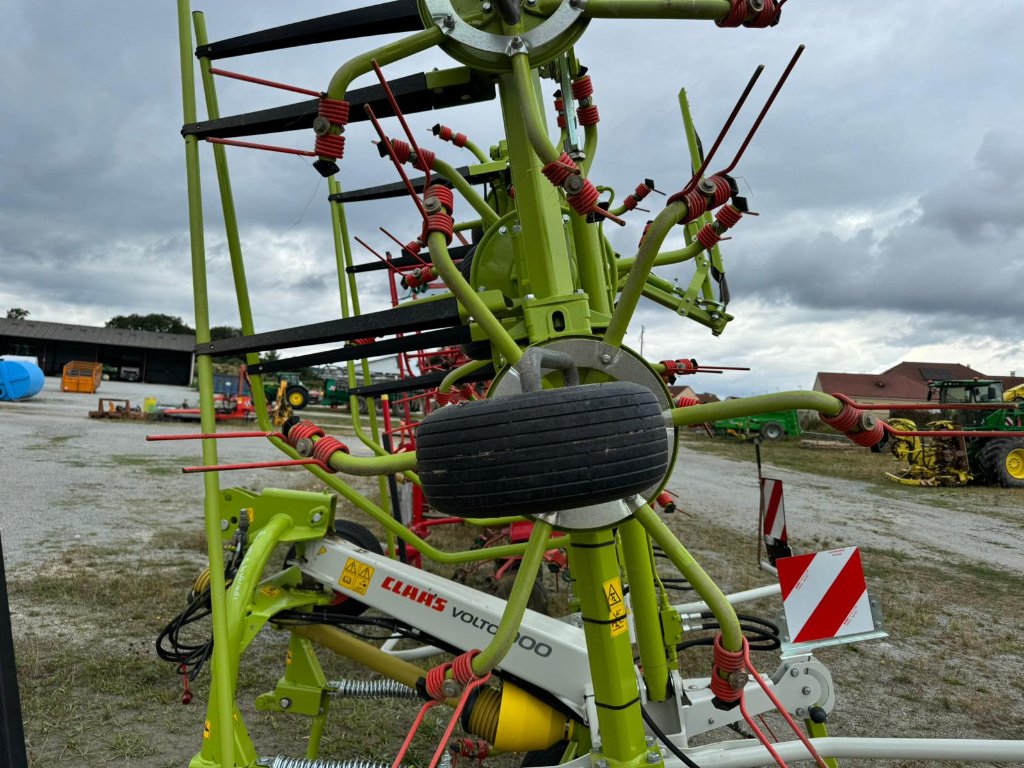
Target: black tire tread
542, 451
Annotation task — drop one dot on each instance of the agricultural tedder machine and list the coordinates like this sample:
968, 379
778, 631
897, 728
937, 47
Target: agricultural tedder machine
976, 439
576, 434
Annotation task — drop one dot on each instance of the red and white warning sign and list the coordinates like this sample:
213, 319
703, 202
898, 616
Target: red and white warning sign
774, 524
825, 595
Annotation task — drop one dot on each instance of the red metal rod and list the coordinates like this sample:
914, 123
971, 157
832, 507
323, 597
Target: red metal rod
253, 465
212, 436
261, 81
265, 147
402, 246
929, 406
948, 432
721, 135
764, 111
386, 261
401, 119
394, 159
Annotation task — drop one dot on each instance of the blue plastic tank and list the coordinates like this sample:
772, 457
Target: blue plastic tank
19, 380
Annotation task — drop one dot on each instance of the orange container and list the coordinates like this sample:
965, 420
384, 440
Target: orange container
80, 376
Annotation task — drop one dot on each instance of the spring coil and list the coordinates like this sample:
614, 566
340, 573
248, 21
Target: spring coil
768, 16
326, 447
403, 151
373, 689
583, 88
330, 146
588, 115
440, 222
445, 133
443, 195
736, 16
728, 216
722, 193
696, 204
302, 762
334, 110
708, 237
304, 429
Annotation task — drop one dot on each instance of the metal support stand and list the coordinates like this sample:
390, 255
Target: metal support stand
12, 732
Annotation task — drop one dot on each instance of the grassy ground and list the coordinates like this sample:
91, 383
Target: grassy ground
95, 694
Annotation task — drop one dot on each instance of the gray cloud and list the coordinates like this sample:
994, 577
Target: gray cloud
884, 180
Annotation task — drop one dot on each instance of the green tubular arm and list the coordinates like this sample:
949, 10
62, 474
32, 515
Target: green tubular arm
463, 370
503, 343
462, 226
642, 265
512, 617
487, 214
222, 682
386, 54
750, 406
477, 152
243, 586
589, 149
371, 466
732, 636
656, 9
663, 258
531, 114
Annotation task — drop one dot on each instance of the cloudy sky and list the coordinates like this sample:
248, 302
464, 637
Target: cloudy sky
889, 176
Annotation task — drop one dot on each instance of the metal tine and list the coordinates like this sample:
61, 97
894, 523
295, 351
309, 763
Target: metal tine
402, 246
764, 111
253, 465
390, 266
212, 436
394, 159
401, 118
721, 135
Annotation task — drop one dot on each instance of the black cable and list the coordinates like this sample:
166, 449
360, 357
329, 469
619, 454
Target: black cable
655, 728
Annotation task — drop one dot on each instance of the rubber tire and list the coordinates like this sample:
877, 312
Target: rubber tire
992, 458
542, 451
297, 396
772, 430
361, 536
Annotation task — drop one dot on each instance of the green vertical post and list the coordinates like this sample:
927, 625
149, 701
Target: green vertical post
222, 693
350, 305
538, 203
227, 200
636, 551
593, 561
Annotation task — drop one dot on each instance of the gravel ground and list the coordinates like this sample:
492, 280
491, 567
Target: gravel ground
79, 494
67, 478
932, 523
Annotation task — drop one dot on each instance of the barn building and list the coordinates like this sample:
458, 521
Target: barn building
154, 358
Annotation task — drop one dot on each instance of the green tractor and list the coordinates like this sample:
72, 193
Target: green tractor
987, 458
296, 394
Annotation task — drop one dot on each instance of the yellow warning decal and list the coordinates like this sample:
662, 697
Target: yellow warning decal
321, 551
270, 590
356, 576
206, 730
616, 605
